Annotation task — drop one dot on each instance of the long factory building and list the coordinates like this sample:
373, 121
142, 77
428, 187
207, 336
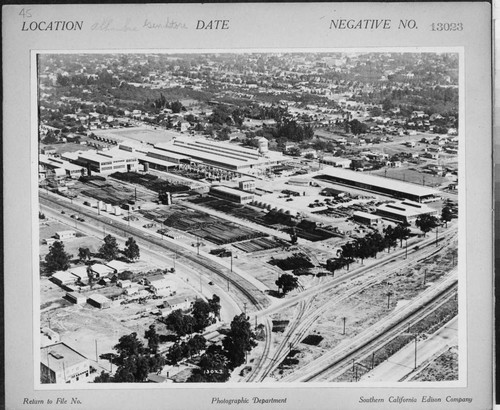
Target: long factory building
166, 155
378, 184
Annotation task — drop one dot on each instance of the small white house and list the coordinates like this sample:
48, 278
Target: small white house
65, 235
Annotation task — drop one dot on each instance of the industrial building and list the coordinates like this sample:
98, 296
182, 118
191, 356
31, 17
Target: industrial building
405, 211
366, 218
63, 278
381, 185
232, 194
337, 162
99, 301
159, 284
247, 185
59, 363
76, 298
223, 155
59, 166
114, 160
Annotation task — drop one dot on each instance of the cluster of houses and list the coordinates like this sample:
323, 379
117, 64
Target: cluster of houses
81, 279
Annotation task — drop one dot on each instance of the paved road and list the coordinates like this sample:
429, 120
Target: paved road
402, 363
198, 283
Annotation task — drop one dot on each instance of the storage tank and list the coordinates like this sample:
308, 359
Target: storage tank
263, 145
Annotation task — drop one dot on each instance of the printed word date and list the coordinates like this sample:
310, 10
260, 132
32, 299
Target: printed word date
447, 27
212, 25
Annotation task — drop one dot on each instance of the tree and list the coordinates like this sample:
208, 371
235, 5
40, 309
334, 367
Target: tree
196, 344
131, 250
287, 283
426, 223
153, 339
213, 368
175, 353
334, 264
201, 315
104, 377
390, 238
402, 231
128, 345
446, 215
84, 254
239, 340
214, 304
348, 253
57, 258
109, 250
357, 127
179, 323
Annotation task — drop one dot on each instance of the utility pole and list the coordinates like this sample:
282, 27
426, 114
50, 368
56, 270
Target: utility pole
389, 299
245, 307
343, 331
425, 276
416, 336
406, 248
96, 357
437, 229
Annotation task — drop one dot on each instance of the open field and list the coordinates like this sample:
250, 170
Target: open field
444, 367
140, 134
367, 307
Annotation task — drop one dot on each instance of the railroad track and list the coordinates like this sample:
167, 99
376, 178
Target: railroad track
301, 327
376, 335
256, 297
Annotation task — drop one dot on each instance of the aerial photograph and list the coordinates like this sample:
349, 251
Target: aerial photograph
248, 217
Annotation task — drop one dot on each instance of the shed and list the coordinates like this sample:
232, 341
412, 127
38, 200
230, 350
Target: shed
76, 298
99, 301
366, 218
62, 278
65, 234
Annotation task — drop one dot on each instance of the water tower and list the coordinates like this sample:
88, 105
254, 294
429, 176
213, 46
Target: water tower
263, 145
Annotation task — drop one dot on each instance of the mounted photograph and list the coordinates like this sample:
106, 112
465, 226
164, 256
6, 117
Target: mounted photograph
249, 217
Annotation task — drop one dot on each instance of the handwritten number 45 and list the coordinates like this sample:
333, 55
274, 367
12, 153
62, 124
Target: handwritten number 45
26, 13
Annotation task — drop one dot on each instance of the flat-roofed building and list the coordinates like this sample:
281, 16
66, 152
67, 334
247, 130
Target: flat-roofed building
101, 271
232, 194
222, 155
247, 185
391, 187
65, 168
366, 218
63, 278
65, 234
76, 298
159, 284
337, 162
59, 363
405, 211
115, 160
99, 301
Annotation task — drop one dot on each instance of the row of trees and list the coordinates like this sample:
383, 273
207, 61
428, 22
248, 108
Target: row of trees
58, 259
368, 246
374, 242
